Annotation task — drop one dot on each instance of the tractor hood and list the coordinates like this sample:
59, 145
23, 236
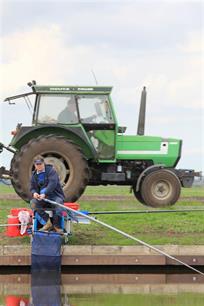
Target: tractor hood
154, 148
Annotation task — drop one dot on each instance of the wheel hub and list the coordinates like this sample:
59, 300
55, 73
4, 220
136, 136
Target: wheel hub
161, 189
60, 167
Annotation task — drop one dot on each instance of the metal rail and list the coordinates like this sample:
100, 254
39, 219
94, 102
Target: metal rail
18, 224
117, 212
124, 234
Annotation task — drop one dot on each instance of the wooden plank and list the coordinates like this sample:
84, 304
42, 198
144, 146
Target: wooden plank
113, 278
174, 250
69, 289
11, 250
15, 278
15, 260
79, 279
190, 260
113, 260
77, 250
184, 279
90, 260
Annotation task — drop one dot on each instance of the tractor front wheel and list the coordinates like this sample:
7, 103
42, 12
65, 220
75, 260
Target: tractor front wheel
138, 195
160, 188
66, 158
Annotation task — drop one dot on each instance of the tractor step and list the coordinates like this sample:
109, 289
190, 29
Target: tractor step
114, 177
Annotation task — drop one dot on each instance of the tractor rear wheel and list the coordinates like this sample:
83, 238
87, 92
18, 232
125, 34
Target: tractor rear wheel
66, 158
160, 188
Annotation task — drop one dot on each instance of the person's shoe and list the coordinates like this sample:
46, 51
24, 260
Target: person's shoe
47, 226
58, 230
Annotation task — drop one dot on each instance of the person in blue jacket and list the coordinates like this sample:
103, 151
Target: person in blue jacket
45, 183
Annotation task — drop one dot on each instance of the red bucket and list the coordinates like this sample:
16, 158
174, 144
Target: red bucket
13, 231
74, 206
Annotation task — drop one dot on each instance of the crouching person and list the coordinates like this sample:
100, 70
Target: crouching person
45, 183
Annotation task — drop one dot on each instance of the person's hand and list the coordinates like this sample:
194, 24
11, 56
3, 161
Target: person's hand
36, 195
41, 196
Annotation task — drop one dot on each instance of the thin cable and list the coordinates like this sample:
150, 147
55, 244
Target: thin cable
141, 211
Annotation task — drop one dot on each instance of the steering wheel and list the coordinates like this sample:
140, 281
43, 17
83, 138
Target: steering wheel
89, 119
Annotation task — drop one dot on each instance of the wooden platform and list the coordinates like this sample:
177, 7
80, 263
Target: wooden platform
108, 255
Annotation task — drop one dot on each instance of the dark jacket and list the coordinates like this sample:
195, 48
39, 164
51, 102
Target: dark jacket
52, 183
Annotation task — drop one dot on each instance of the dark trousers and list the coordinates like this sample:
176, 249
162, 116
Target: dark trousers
41, 206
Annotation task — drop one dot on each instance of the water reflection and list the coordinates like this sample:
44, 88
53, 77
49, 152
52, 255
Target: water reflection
12, 300
45, 288
54, 289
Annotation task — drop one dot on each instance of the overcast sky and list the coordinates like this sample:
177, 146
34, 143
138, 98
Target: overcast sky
128, 44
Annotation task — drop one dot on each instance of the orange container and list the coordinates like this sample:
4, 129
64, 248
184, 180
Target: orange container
74, 206
13, 231
15, 211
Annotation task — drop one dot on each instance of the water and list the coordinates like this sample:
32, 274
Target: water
97, 289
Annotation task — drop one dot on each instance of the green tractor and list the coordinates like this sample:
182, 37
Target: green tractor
76, 130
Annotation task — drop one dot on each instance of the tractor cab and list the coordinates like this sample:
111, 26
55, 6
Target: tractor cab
89, 108
72, 109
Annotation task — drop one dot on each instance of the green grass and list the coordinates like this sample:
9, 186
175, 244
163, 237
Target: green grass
6, 189
166, 228
117, 190
194, 191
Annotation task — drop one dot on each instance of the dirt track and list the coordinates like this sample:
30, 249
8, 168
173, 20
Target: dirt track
12, 196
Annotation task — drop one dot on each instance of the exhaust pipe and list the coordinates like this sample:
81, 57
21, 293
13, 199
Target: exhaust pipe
141, 120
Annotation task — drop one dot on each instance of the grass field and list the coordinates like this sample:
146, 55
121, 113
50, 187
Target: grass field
166, 228
116, 190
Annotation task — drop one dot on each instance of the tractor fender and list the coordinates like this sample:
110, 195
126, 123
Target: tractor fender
146, 171
75, 134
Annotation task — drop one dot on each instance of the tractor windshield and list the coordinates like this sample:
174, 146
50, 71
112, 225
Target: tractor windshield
94, 109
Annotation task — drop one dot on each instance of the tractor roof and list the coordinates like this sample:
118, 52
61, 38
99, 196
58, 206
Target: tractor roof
72, 89
58, 89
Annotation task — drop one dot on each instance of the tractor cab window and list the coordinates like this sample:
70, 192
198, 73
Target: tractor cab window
94, 109
57, 109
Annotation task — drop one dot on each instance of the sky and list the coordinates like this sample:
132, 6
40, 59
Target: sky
127, 44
